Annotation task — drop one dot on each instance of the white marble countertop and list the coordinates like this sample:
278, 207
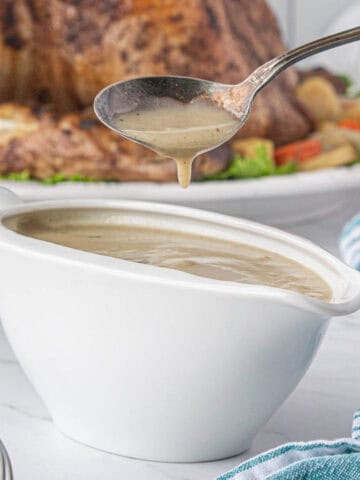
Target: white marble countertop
321, 407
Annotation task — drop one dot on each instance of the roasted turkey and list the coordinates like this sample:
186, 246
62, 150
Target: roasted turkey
61, 52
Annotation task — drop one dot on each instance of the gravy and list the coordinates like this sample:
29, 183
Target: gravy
198, 255
179, 130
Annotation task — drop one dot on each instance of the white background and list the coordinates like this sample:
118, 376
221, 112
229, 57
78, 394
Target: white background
309, 17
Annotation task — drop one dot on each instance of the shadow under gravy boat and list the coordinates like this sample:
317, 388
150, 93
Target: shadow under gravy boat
155, 363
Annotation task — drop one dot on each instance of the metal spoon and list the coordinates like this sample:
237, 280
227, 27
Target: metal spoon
130, 95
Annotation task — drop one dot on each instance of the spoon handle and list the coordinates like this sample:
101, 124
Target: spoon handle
265, 73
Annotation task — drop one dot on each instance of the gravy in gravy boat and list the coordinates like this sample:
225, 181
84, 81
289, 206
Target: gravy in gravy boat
199, 255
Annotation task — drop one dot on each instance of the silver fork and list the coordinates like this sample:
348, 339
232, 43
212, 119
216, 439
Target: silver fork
6, 472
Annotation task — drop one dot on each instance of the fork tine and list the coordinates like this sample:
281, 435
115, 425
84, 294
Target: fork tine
2, 465
6, 468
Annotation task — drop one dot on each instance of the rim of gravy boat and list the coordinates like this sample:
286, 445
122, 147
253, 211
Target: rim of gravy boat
347, 297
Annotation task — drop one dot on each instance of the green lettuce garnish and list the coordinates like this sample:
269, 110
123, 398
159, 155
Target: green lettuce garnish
60, 177
260, 166
18, 176
349, 85
347, 80
56, 178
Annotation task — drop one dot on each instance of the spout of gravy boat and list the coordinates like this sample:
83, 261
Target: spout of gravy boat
155, 363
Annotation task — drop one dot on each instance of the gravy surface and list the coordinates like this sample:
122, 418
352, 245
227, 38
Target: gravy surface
198, 255
179, 130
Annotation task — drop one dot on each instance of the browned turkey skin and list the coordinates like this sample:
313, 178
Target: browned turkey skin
62, 52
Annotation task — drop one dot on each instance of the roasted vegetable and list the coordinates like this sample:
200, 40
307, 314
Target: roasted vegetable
320, 98
350, 110
332, 136
342, 155
249, 147
297, 151
351, 124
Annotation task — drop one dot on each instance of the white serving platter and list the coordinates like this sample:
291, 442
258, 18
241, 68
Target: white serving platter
278, 200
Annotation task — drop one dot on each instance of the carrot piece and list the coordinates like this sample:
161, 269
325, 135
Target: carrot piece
350, 123
297, 151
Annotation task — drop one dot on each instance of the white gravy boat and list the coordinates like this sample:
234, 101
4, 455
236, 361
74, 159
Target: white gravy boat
156, 363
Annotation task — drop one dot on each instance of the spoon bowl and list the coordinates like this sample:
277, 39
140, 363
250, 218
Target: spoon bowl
146, 92
177, 117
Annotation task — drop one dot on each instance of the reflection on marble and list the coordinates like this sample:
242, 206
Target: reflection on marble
321, 407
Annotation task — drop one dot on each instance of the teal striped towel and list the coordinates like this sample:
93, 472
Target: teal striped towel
318, 460
349, 243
